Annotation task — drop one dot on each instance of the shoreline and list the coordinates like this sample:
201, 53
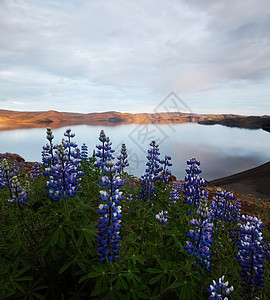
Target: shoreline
11, 120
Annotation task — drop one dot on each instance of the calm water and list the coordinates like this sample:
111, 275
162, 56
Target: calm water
222, 150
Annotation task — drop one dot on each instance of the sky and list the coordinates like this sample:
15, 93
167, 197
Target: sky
130, 55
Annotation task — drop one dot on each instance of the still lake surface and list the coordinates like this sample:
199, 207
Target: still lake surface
222, 150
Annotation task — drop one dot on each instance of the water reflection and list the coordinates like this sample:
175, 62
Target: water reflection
221, 150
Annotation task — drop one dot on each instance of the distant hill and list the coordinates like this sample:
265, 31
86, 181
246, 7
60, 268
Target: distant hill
255, 181
16, 119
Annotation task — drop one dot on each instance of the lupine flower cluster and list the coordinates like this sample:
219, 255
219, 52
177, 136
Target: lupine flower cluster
251, 253
161, 217
63, 168
48, 156
105, 150
18, 193
64, 177
71, 149
193, 184
154, 171
220, 289
223, 209
110, 211
165, 172
108, 231
15, 169
122, 160
151, 172
153, 166
84, 152
201, 238
36, 172
175, 192
5, 176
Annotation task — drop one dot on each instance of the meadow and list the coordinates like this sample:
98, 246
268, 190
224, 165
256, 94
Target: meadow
81, 227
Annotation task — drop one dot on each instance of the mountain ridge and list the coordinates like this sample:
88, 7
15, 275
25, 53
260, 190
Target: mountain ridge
10, 119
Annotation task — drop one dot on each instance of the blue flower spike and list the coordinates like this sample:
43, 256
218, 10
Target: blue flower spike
220, 290
251, 254
161, 217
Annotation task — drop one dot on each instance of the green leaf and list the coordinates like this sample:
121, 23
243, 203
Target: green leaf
23, 270
155, 271
44, 250
99, 291
83, 278
176, 285
80, 241
38, 296
81, 265
163, 282
155, 279
55, 237
65, 267
123, 282
25, 278
118, 283
62, 237
87, 236
90, 275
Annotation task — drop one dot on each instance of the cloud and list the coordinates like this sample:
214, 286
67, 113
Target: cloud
130, 52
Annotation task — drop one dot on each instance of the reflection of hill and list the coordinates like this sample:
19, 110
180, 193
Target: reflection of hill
14, 119
251, 122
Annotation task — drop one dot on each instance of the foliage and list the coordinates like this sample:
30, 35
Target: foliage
58, 249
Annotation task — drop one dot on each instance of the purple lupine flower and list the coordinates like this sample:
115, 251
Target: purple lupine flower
15, 169
251, 254
175, 191
161, 217
165, 172
110, 211
109, 226
193, 184
151, 173
105, 150
153, 166
122, 160
201, 238
220, 289
222, 208
5, 176
84, 152
148, 188
64, 177
18, 193
69, 145
48, 158
201, 242
36, 172
237, 211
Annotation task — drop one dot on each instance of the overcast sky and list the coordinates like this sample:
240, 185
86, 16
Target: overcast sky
128, 55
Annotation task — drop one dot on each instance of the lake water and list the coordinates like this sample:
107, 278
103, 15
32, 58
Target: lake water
222, 150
